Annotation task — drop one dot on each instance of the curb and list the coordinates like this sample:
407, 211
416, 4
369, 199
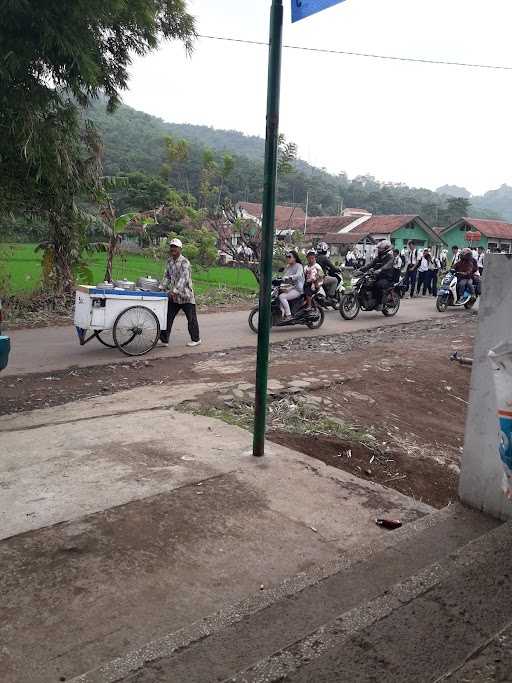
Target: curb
173, 642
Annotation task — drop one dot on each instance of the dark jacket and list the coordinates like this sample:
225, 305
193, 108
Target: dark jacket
382, 265
327, 265
466, 267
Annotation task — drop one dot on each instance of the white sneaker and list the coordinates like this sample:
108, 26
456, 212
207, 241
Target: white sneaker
191, 343
163, 343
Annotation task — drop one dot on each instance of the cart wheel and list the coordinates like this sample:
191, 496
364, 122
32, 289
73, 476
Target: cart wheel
136, 331
106, 338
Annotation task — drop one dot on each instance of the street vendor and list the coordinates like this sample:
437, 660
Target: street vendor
177, 282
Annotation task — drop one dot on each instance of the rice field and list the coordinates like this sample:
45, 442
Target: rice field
20, 270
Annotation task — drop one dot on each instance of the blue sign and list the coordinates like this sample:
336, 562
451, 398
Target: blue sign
305, 8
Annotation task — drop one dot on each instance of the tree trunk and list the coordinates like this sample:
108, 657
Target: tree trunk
110, 258
59, 275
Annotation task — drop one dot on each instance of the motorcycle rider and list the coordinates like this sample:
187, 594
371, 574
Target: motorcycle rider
329, 269
294, 275
465, 268
411, 263
382, 268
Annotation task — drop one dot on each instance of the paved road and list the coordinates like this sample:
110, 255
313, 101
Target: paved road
56, 348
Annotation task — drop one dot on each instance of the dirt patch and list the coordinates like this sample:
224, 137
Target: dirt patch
43, 390
421, 478
395, 384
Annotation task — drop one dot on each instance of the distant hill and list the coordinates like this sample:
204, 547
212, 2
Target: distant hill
134, 141
133, 137
497, 202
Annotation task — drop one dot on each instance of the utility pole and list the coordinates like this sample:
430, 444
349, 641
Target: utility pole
269, 207
307, 211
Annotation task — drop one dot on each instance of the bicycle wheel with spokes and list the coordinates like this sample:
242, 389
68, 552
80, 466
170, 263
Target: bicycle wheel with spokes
136, 331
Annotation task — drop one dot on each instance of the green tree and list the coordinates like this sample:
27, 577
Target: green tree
114, 227
455, 208
55, 57
139, 192
286, 156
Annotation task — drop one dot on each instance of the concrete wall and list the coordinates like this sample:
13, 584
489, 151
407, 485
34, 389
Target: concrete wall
480, 481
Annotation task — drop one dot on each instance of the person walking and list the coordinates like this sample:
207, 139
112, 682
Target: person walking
177, 282
435, 267
455, 256
424, 277
480, 260
444, 259
410, 258
397, 265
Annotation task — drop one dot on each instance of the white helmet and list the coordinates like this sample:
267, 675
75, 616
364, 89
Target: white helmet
322, 248
176, 243
383, 247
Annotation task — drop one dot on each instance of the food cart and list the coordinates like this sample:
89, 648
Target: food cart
127, 319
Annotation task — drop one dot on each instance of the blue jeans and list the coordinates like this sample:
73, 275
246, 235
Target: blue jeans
464, 283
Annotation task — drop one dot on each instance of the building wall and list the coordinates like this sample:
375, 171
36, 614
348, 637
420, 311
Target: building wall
400, 238
456, 237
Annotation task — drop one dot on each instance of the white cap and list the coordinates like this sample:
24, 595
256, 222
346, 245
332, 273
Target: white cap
176, 243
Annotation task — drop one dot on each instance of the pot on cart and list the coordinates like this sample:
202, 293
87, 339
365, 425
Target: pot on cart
124, 284
148, 284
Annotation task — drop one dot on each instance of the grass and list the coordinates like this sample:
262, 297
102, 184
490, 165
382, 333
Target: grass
22, 265
287, 415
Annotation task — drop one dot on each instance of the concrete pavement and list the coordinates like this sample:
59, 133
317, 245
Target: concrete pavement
123, 520
56, 348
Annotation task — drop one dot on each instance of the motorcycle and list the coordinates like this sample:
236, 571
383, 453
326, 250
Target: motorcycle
402, 286
447, 294
362, 297
314, 318
333, 301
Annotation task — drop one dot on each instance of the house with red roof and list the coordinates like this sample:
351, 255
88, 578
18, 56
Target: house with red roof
288, 218
369, 229
479, 232
318, 226
400, 229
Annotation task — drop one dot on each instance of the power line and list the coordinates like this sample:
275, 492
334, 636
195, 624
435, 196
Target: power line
415, 60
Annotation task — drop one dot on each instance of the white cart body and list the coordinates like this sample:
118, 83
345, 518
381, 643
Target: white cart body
97, 308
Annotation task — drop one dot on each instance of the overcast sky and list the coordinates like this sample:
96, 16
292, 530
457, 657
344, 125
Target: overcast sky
424, 125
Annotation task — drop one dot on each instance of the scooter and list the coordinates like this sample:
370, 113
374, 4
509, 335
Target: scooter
447, 294
312, 318
333, 301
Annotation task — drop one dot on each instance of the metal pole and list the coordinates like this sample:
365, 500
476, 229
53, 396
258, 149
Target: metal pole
269, 206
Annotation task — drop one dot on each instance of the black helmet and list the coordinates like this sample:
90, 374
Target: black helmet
384, 247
